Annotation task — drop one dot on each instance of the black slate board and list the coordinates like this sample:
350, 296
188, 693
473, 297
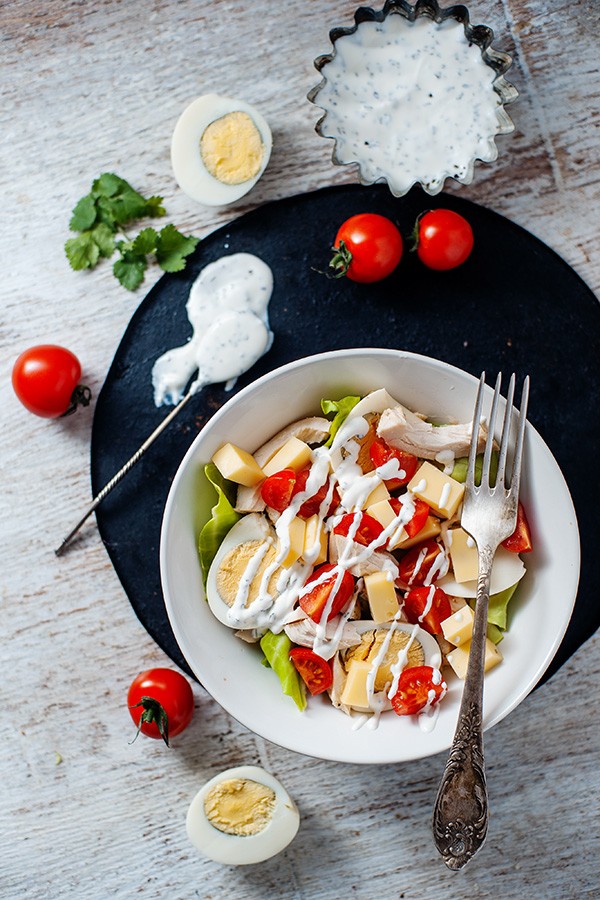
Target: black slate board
513, 306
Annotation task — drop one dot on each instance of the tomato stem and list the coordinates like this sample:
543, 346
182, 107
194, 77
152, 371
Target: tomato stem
341, 260
81, 396
153, 712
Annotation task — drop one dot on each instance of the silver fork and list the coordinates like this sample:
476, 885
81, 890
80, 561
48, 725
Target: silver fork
489, 515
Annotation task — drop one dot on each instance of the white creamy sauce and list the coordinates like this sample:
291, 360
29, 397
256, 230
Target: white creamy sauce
446, 458
410, 102
228, 311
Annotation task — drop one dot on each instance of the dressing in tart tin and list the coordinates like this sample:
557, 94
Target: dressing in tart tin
413, 94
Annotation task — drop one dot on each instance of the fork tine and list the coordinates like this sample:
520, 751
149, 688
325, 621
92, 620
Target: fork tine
508, 413
487, 456
516, 471
470, 480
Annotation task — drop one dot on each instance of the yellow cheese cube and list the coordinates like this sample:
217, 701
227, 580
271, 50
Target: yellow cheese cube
237, 465
439, 491
294, 454
459, 658
382, 596
458, 627
430, 529
315, 540
297, 531
376, 496
355, 690
385, 515
464, 556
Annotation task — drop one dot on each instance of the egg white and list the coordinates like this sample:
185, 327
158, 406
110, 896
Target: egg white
507, 569
190, 172
240, 850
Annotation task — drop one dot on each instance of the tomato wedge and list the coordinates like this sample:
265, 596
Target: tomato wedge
415, 566
419, 518
312, 506
314, 601
417, 687
381, 453
279, 489
367, 532
314, 671
432, 599
520, 539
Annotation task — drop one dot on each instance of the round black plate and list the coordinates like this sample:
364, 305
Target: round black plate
513, 306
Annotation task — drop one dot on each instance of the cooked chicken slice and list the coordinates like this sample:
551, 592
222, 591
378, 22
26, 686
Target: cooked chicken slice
337, 688
377, 560
401, 428
304, 631
312, 430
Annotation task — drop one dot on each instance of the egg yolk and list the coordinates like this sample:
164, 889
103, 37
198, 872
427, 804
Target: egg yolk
232, 149
239, 806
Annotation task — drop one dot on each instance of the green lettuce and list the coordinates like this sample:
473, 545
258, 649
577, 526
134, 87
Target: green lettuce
222, 520
276, 648
497, 613
459, 472
340, 409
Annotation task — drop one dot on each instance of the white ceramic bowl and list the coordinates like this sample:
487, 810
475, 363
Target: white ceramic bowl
230, 669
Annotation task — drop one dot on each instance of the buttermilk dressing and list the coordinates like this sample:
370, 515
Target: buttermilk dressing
228, 311
410, 102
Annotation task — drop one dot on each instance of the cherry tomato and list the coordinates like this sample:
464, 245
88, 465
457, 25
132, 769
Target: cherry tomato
414, 688
381, 453
313, 669
277, 489
432, 599
46, 381
415, 566
444, 239
312, 506
367, 532
520, 539
367, 248
313, 602
161, 703
414, 525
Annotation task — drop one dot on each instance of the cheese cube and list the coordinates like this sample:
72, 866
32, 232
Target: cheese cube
458, 627
294, 454
237, 465
376, 496
439, 491
355, 690
430, 529
459, 658
297, 531
464, 556
382, 597
315, 540
384, 514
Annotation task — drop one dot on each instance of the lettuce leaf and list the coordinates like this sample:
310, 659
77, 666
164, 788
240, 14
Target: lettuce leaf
497, 613
340, 409
459, 472
223, 518
276, 648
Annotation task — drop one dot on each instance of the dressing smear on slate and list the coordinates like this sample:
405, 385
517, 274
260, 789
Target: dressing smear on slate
228, 310
410, 102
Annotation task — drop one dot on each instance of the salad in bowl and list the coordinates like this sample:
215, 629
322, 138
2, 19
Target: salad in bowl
322, 505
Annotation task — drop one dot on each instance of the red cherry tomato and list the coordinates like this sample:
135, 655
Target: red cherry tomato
381, 453
415, 566
313, 669
367, 532
368, 247
444, 239
414, 688
312, 506
432, 599
314, 601
277, 489
46, 381
161, 703
414, 526
520, 539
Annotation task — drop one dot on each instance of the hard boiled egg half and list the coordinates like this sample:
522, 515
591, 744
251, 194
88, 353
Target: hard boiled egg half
242, 816
219, 150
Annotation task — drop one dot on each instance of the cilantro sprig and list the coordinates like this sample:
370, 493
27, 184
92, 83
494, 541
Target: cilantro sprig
100, 216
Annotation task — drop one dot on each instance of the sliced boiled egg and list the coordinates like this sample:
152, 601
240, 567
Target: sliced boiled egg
219, 150
242, 816
507, 569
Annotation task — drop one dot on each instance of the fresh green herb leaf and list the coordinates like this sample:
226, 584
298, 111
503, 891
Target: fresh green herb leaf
104, 238
130, 270
223, 518
172, 249
341, 409
108, 185
276, 648
84, 214
145, 242
82, 251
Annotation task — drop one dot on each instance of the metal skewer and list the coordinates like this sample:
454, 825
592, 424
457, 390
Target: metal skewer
125, 469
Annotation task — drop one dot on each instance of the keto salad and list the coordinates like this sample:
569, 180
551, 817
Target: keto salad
337, 547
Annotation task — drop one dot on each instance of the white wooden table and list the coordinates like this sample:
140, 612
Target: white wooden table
92, 87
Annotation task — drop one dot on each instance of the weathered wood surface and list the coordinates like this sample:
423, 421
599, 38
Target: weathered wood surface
90, 87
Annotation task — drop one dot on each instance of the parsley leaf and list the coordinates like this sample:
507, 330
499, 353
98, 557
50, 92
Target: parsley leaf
172, 248
84, 214
82, 251
145, 242
130, 270
104, 238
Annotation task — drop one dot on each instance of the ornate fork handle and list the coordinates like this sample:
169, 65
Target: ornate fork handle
460, 815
